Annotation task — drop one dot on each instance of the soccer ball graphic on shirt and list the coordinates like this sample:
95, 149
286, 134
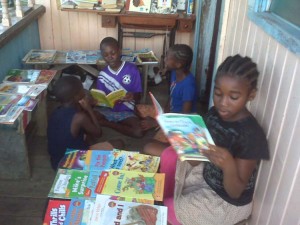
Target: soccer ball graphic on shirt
126, 79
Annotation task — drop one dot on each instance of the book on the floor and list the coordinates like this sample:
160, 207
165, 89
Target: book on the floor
147, 58
45, 76
98, 160
107, 100
73, 159
187, 133
139, 185
36, 56
22, 76
134, 161
56, 211
109, 212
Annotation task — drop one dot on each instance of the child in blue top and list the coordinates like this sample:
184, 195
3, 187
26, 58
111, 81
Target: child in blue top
182, 97
115, 76
220, 191
73, 122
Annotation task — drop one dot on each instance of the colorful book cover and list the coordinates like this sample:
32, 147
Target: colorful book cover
31, 104
69, 184
14, 89
107, 100
46, 76
80, 211
76, 57
91, 184
40, 56
139, 185
73, 159
9, 99
22, 76
134, 161
98, 160
142, 6
110, 212
35, 90
56, 211
12, 114
4, 109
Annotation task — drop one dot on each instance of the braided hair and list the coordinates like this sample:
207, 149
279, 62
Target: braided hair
241, 67
183, 53
109, 41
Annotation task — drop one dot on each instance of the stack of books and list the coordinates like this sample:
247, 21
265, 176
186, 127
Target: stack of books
19, 91
107, 187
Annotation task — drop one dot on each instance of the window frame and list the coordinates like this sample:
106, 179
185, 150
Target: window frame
281, 30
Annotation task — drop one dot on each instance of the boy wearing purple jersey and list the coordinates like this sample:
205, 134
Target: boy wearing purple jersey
120, 75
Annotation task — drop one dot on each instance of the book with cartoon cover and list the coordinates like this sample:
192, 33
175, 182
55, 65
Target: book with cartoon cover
139, 185
187, 133
110, 212
36, 56
107, 100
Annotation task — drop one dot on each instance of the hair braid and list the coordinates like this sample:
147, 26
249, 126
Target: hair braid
183, 53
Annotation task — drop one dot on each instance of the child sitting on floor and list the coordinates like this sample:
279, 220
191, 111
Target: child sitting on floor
182, 97
120, 75
220, 191
72, 121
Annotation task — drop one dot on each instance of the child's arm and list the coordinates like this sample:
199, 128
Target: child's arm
236, 172
130, 96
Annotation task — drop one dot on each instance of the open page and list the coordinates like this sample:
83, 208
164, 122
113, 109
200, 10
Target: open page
157, 106
107, 100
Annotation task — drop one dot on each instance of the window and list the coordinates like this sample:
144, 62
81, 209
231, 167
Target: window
280, 19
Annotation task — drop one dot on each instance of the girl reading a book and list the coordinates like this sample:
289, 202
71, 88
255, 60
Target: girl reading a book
182, 97
220, 191
120, 75
73, 124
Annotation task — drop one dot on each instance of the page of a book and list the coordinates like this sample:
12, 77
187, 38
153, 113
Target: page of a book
107, 100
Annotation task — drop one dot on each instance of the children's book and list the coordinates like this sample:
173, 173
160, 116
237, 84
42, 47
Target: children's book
92, 184
111, 212
107, 100
46, 76
22, 76
139, 185
69, 184
76, 57
14, 89
187, 133
12, 114
4, 109
98, 160
142, 6
128, 58
31, 104
73, 159
35, 90
147, 58
134, 161
9, 99
80, 211
36, 56
56, 211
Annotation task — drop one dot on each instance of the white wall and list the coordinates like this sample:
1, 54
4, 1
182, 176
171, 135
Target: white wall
277, 196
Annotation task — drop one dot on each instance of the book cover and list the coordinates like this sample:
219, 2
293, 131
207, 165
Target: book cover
36, 56
4, 109
35, 90
21, 76
14, 89
98, 160
56, 211
187, 133
46, 76
12, 114
80, 211
164, 3
73, 159
142, 6
107, 100
9, 99
148, 57
92, 184
139, 185
128, 58
69, 184
76, 57
31, 104
111, 212
134, 161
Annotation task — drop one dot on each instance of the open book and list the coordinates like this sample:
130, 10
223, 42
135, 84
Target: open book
187, 133
107, 100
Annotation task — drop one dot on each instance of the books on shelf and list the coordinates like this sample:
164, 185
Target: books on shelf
142, 6
107, 211
107, 100
187, 133
83, 57
36, 56
147, 57
132, 184
56, 211
22, 76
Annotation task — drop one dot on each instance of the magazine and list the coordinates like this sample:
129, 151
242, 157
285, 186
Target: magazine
36, 56
187, 133
107, 100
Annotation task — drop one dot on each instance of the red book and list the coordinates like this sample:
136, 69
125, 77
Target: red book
56, 211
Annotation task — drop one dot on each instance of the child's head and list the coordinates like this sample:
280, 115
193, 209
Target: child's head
68, 89
111, 52
179, 56
235, 85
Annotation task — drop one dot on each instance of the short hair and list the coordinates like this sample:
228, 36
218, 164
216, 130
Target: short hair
109, 41
66, 88
242, 67
183, 53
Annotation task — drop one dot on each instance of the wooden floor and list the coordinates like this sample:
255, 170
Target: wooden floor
22, 202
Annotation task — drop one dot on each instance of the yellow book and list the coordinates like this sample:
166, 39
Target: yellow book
107, 100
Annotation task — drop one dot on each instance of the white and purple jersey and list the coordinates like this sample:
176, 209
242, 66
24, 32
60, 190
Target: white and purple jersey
127, 77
